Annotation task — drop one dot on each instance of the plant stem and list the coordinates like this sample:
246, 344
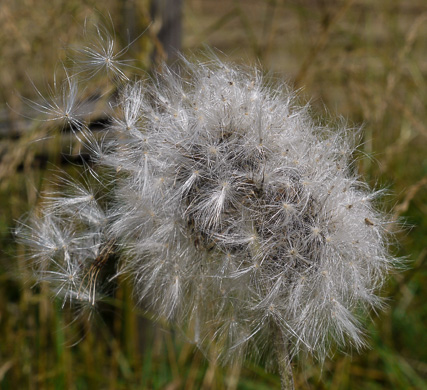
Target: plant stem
284, 363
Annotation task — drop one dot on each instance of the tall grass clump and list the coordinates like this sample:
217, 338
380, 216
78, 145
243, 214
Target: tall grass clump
233, 213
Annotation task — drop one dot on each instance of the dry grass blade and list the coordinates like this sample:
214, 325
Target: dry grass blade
410, 194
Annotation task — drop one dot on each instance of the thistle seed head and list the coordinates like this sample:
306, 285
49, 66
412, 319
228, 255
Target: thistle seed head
237, 216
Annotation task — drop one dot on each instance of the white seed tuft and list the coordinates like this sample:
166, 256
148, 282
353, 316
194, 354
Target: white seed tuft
235, 214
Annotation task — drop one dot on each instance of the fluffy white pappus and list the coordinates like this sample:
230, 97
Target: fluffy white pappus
235, 214
240, 218
62, 106
67, 243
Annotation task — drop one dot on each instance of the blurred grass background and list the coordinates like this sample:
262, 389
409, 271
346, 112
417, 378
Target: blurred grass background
362, 59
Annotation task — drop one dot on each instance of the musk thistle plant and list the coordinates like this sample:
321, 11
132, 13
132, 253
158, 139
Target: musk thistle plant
234, 214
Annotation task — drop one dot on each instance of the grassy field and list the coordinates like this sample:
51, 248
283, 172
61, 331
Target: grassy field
364, 60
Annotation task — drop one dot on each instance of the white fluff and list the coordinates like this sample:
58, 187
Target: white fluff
235, 214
